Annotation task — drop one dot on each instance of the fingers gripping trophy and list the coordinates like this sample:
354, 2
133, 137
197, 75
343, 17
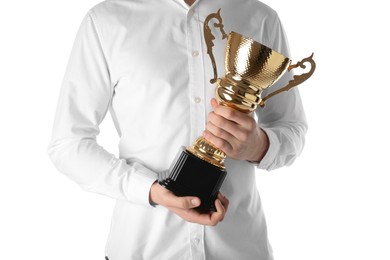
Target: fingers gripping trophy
250, 67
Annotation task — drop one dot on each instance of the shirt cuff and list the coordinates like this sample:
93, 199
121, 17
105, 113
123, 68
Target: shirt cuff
267, 163
139, 187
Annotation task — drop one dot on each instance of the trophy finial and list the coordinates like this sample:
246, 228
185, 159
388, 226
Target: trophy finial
209, 38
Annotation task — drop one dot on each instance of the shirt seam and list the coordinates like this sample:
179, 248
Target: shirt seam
96, 25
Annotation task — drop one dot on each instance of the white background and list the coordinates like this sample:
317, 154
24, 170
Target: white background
333, 203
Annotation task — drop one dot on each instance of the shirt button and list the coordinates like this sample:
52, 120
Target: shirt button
197, 100
197, 240
195, 54
191, 12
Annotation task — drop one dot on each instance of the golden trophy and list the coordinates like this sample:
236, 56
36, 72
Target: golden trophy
250, 67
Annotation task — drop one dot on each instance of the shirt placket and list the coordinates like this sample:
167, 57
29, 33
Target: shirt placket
197, 107
196, 74
197, 241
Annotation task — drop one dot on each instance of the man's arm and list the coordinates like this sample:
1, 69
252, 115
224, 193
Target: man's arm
236, 133
278, 136
184, 206
83, 103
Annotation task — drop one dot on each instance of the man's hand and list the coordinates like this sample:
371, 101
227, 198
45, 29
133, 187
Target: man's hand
235, 133
184, 206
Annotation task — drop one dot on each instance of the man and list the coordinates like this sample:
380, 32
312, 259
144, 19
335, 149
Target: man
145, 62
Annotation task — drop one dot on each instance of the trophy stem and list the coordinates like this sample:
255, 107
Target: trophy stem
206, 151
237, 94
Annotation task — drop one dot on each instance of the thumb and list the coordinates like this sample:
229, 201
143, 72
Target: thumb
213, 102
187, 202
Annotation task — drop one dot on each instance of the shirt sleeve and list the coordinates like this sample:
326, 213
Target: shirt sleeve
283, 117
83, 103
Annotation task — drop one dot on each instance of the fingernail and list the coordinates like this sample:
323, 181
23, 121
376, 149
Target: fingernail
221, 205
195, 202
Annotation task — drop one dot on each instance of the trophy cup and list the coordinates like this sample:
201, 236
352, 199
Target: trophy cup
250, 67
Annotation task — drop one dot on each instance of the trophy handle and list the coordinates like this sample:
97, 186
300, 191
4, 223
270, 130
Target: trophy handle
298, 79
209, 37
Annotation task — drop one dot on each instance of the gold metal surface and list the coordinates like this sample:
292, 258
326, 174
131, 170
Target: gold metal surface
298, 79
250, 67
209, 38
208, 152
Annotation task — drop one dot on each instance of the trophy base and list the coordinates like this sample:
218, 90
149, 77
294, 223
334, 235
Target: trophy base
192, 176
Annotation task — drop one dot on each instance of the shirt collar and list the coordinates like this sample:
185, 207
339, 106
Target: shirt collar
184, 4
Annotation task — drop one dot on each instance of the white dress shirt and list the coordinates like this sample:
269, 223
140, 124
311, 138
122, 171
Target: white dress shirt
145, 62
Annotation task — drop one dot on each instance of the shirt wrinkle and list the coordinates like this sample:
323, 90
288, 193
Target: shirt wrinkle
146, 62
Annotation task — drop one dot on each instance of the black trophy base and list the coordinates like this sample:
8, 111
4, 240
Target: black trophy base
192, 176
